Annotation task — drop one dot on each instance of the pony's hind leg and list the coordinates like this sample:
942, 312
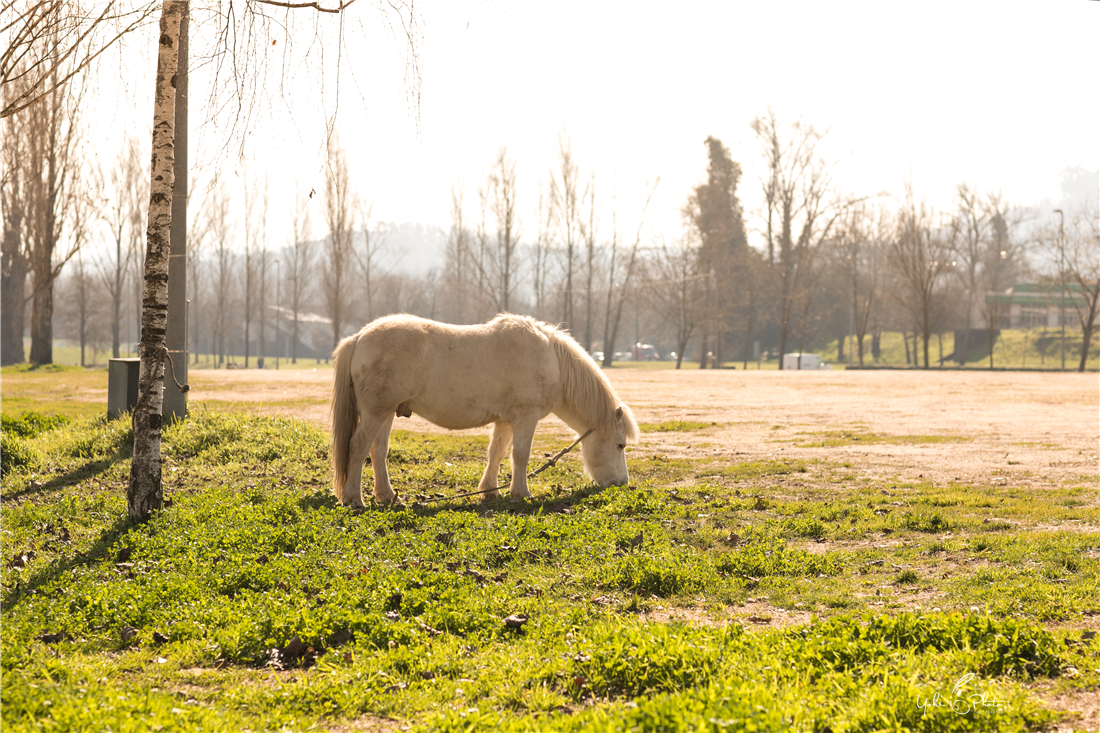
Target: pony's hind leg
358, 449
502, 434
379, 449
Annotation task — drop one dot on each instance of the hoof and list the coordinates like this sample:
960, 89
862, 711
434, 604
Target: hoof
491, 495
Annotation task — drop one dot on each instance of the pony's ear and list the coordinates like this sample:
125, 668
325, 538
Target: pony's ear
619, 412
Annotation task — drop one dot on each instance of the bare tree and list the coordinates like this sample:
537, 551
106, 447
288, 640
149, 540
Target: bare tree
502, 183
458, 260
122, 215
677, 288
1002, 257
541, 250
40, 143
261, 252
591, 250
84, 309
921, 253
340, 206
1081, 259
369, 257
796, 181
221, 235
15, 245
145, 493
199, 230
252, 263
618, 290
565, 198
861, 236
972, 226
299, 272
78, 36
498, 263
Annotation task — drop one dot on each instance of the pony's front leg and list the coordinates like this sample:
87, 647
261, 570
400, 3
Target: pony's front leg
502, 433
379, 449
523, 434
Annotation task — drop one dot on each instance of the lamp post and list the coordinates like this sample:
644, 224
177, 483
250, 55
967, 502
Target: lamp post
1062, 282
278, 310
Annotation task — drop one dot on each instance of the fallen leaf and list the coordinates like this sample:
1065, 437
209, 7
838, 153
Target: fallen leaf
293, 649
516, 620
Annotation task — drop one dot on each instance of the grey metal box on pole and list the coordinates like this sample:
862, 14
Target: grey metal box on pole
122, 386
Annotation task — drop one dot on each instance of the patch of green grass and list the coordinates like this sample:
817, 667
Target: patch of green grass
749, 470
835, 438
674, 426
254, 601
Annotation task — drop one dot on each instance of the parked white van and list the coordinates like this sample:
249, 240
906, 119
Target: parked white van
803, 361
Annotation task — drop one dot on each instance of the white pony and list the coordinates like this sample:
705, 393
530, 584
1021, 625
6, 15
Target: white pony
512, 372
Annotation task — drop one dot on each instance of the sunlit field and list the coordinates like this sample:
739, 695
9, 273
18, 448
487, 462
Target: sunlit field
799, 577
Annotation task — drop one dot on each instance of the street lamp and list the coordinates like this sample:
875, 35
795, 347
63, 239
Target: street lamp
278, 310
1062, 281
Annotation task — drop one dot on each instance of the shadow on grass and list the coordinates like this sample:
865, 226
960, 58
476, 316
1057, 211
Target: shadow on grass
89, 470
57, 569
426, 505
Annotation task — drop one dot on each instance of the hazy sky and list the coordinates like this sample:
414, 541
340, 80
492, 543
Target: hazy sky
999, 94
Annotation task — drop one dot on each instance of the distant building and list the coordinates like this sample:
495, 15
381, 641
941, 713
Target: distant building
1031, 305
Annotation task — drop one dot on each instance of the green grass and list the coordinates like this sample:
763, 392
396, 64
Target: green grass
1037, 348
835, 438
674, 426
252, 600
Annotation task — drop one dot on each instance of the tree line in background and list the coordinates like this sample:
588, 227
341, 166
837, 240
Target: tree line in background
829, 264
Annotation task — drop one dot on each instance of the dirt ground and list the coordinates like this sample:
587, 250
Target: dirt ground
1021, 429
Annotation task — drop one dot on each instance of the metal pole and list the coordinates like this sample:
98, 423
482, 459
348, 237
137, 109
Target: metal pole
278, 305
175, 337
1062, 281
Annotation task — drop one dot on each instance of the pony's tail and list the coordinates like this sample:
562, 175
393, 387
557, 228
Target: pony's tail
345, 413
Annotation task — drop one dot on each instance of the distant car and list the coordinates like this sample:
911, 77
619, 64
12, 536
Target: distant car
621, 356
644, 352
598, 356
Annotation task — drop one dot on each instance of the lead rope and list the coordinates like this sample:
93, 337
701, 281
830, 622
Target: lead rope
165, 354
553, 461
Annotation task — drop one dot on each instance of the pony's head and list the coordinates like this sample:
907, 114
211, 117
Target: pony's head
604, 451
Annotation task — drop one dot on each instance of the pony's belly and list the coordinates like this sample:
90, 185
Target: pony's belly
451, 419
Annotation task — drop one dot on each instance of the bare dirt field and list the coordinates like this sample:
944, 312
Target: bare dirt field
1020, 429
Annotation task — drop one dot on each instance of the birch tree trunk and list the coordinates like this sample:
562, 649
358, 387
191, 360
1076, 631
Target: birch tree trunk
145, 493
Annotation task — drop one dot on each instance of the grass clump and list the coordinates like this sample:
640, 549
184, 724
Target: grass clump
675, 426
773, 558
925, 523
30, 424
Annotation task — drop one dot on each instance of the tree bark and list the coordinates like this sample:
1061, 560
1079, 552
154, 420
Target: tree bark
13, 311
145, 493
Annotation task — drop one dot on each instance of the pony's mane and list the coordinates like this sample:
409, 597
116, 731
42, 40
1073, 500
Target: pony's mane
585, 387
